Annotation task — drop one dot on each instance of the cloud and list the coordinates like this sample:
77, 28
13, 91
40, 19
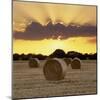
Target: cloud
36, 31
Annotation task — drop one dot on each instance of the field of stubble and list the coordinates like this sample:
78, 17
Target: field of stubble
30, 82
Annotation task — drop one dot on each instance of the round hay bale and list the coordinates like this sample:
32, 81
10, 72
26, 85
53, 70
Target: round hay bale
54, 69
44, 61
34, 63
76, 63
68, 61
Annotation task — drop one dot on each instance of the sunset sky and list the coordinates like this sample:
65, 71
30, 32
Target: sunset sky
41, 28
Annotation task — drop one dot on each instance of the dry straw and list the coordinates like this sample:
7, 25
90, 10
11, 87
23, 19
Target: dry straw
34, 63
76, 63
44, 61
68, 61
54, 69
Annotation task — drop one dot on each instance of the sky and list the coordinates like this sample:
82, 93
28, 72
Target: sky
41, 28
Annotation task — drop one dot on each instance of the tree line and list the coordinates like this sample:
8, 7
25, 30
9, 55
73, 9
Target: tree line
58, 54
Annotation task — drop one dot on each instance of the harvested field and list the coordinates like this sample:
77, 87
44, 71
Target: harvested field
31, 83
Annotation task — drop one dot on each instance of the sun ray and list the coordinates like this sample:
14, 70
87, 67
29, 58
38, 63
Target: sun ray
26, 12
41, 12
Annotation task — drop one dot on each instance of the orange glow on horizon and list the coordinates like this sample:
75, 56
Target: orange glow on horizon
47, 46
26, 12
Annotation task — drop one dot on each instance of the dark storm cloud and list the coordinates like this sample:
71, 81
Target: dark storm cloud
36, 31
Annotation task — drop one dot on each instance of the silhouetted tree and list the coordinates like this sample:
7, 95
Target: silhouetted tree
23, 57
29, 56
41, 57
93, 56
16, 56
74, 54
58, 53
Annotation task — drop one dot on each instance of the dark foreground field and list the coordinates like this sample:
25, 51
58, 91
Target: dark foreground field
30, 82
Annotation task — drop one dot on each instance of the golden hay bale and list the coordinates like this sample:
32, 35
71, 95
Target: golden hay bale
34, 63
76, 63
44, 61
68, 61
54, 69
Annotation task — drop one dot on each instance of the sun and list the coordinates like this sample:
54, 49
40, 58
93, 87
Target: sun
57, 43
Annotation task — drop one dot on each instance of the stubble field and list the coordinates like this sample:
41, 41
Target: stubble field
30, 82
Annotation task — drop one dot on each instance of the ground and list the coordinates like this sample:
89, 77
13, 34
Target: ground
31, 83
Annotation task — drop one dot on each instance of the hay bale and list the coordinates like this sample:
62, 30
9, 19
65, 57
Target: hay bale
68, 61
76, 63
34, 63
44, 62
54, 69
